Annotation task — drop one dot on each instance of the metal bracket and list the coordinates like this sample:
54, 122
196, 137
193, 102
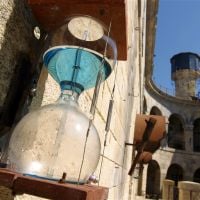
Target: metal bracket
147, 133
129, 144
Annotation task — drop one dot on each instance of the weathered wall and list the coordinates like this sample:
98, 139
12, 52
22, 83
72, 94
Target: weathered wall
16, 34
16, 37
185, 83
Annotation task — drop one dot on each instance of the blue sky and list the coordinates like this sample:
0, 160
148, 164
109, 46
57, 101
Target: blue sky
178, 30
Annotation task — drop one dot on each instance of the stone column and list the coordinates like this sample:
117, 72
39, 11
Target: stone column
189, 190
168, 190
139, 192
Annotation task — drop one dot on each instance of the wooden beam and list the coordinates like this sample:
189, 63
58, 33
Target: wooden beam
52, 14
21, 184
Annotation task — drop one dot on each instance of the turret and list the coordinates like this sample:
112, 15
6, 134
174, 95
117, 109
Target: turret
185, 70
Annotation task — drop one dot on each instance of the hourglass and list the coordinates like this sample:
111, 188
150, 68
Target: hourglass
52, 139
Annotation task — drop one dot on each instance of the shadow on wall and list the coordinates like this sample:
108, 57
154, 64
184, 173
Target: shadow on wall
18, 57
153, 180
196, 135
176, 138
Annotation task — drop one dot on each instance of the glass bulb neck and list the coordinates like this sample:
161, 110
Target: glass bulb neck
71, 85
69, 96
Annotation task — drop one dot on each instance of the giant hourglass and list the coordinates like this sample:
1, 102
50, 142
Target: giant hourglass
50, 140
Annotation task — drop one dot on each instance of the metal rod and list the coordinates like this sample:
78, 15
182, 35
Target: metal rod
107, 128
129, 144
109, 115
76, 67
96, 92
109, 29
94, 101
84, 149
99, 76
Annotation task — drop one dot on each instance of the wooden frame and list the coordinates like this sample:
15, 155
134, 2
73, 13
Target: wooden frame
21, 184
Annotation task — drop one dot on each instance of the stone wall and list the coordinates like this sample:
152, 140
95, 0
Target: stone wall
184, 190
16, 38
16, 35
185, 83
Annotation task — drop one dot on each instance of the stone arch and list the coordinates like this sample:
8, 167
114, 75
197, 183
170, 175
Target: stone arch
175, 172
153, 180
196, 135
155, 111
196, 177
176, 138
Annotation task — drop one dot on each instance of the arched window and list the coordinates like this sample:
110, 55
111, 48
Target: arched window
176, 137
175, 173
153, 180
196, 177
196, 135
155, 111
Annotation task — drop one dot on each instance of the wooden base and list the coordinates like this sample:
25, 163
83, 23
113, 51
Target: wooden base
52, 14
48, 189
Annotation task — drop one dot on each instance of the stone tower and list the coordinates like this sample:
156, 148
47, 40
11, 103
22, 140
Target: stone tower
185, 71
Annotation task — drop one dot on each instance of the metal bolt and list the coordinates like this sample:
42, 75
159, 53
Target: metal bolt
63, 179
92, 179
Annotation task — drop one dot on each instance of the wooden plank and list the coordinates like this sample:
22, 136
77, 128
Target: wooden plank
49, 189
32, 2
51, 14
7, 178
